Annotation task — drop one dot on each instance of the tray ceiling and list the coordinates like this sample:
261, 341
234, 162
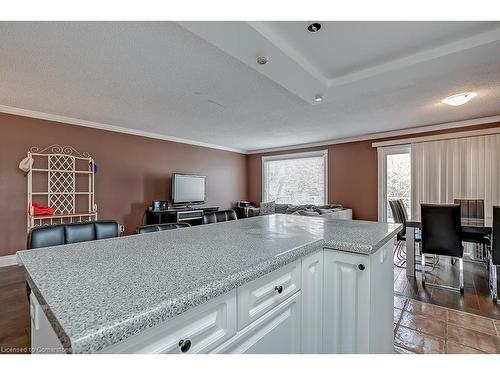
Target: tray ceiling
200, 81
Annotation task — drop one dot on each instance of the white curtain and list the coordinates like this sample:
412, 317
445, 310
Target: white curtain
466, 168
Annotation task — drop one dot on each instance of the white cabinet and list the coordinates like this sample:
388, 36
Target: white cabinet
312, 303
196, 331
277, 332
358, 292
329, 301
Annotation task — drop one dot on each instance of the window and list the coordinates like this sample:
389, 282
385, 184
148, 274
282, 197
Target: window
295, 178
394, 179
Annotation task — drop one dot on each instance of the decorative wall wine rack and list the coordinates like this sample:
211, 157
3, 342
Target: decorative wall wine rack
62, 178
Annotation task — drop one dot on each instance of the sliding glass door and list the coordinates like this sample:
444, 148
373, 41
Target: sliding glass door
394, 179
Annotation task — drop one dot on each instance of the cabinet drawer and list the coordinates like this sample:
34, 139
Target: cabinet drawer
261, 295
200, 330
277, 332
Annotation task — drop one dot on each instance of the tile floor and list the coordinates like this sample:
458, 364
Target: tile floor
425, 328
475, 300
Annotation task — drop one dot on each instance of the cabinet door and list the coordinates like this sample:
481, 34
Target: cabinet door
346, 302
277, 332
312, 303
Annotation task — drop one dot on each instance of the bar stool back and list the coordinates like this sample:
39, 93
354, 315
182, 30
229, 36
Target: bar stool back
441, 235
495, 253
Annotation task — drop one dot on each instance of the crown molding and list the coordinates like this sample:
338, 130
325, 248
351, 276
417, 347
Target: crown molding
393, 133
112, 128
141, 133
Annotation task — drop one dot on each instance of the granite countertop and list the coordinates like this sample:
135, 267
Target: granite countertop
98, 293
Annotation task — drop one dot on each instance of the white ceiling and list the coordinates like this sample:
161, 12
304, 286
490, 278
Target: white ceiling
341, 48
199, 80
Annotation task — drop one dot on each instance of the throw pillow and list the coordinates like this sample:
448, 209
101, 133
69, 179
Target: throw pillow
324, 211
267, 208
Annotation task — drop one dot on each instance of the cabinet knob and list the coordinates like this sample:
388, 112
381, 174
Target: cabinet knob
185, 345
361, 267
279, 289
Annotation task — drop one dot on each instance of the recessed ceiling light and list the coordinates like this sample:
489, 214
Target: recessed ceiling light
459, 99
314, 27
318, 98
262, 60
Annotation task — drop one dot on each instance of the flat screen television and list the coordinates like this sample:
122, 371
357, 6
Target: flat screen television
188, 189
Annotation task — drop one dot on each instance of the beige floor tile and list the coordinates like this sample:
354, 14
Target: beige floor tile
426, 309
397, 315
456, 348
399, 302
424, 324
400, 350
418, 342
474, 339
474, 322
497, 324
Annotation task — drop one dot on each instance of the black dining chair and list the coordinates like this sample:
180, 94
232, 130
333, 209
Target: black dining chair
495, 253
473, 209
441, 235
219, 216
400, 216
159, 227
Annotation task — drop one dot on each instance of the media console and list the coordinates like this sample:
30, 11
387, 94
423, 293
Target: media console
191, 215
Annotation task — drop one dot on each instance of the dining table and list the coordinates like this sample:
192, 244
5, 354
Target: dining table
468, 226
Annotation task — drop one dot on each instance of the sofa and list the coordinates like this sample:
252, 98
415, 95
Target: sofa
334, 211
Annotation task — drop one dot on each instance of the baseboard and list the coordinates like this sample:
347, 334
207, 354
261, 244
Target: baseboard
8, 260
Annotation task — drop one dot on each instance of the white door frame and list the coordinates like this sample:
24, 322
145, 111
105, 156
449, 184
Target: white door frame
382, 153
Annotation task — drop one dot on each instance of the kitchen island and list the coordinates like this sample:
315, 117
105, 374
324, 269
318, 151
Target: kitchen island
268, 284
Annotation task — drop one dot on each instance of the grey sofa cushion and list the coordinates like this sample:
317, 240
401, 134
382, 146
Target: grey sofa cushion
281, 208
293, 208
330, 206
308, 213
267, 208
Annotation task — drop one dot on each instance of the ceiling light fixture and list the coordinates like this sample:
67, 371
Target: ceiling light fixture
459, 99
318, 98
314, 27
262, 60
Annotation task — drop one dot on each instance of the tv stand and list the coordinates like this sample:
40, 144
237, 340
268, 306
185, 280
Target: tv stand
191, 215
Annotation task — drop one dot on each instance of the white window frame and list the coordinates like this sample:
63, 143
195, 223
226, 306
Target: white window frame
298, 155
382, 153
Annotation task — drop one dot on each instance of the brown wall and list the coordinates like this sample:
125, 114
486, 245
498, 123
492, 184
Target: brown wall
132, 171
352, 172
